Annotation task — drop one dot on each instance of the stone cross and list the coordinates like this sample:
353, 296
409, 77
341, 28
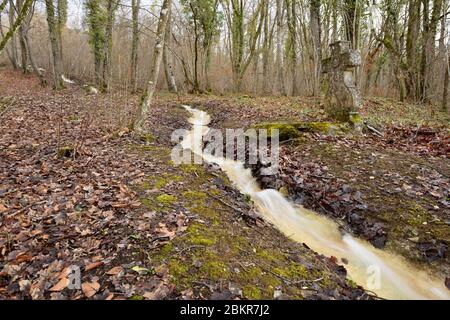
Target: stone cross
342, 99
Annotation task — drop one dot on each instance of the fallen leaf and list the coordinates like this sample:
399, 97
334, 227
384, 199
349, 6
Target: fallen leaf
141, 270
93, 265
90, 288
161, 291
61, 285
114, 271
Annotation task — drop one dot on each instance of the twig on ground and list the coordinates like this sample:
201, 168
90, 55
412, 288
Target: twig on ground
225, 203
190, 247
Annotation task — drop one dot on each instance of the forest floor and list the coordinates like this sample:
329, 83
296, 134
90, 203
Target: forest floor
77, 188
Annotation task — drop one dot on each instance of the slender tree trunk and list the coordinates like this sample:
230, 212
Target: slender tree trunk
314, 20
266, 50
61, 21
334, 36
55, 48
292, 50
13, 38
134, 42
206, 66
95, 18
147, 96
411, 47
279, 56
107, 50
196, 88
23, 47
446, 81
351, 22
170, 78
428, 46
32, 62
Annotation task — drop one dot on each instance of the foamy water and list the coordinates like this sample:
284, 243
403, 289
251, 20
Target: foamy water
388, 275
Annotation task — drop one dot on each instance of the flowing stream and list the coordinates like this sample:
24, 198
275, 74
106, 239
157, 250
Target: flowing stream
384, 273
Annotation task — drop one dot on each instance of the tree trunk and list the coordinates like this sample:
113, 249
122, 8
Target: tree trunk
428, 46
196, 88
62, 19
32, 62
266, 50
95, 19
55, 48
107, 50
314, 20
13, 38
446, 81
134, 42
292, 43
411, 47
147, 96
351, 22
279, 56
23, 47
170, 78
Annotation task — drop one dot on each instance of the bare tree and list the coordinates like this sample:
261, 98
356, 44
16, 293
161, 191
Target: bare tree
279, 56
134, 42
55, 46
168, 69
314, 21
155, 63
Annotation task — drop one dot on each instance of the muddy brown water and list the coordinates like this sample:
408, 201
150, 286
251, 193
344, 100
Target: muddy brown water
388, 275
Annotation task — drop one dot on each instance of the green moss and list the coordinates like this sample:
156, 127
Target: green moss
155, 151
270, 282
294, 271
193, 195
251, 273
161, 182
177, 268
189, 168
292, 130
352, 284
136, 297
145, 185
285, 130
270, 255
147, 137
166, 199
355, 118
148, 203
251, 292
199, 235
321, 127
214, 269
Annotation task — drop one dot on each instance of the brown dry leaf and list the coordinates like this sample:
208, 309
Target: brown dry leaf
61, 285
3, 208
161, 291
23, 257
90, 288
114, 271
164, 232
93, 265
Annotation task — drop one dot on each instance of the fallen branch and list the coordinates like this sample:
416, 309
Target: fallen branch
374, 131
225, 203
